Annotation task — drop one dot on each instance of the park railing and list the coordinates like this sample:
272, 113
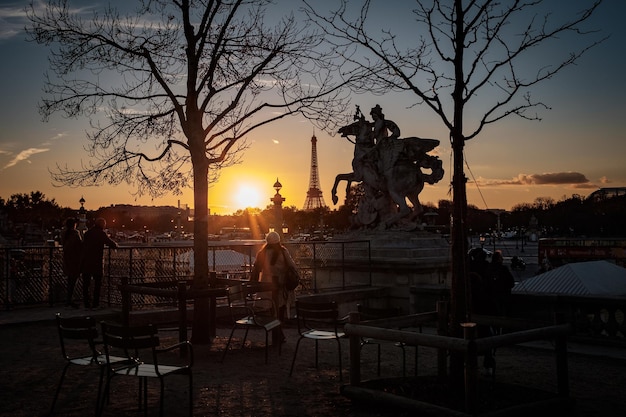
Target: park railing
33, 275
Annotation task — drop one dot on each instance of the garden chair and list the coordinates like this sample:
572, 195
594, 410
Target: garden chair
380, 313
318, 321
141, 347
259, 313
77, 337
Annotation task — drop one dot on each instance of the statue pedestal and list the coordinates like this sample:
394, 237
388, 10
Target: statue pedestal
395, 260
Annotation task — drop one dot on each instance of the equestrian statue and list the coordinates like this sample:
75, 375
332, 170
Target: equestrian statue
389, 168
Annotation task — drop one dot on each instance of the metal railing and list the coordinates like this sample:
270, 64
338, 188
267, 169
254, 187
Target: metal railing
33, 275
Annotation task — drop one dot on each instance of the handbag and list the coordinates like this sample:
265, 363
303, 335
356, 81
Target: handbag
292, 278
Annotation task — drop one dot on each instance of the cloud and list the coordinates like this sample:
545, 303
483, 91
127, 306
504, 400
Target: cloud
24, 156
12, 20
575, 179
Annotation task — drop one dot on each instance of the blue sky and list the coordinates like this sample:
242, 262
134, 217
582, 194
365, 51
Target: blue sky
579, 145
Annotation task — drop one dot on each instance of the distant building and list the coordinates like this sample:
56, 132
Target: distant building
606, 193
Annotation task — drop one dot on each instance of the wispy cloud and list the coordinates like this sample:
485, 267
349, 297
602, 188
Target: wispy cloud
13, 17
12, 20
24, 156
575, 179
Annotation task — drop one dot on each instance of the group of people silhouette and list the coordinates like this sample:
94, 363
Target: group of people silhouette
490, 284
83, 255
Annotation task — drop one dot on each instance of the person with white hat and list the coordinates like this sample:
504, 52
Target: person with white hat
271, 265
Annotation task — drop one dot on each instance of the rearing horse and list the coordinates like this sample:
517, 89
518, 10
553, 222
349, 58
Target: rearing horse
389, 170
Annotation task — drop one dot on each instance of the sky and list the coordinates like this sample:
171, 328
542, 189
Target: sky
577, 147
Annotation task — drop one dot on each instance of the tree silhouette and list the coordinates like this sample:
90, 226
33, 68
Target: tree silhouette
172, 88
472, 64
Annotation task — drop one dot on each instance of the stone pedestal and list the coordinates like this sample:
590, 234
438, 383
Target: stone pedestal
395, 260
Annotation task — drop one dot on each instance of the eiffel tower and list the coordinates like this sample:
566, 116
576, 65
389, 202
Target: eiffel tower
314, 197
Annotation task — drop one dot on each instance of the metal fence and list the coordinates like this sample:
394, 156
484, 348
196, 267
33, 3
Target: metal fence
34, 275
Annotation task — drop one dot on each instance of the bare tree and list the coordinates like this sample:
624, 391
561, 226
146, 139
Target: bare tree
483, 55
172, 88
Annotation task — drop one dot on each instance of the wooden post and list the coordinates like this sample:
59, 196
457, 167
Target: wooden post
562, 374
182, 316
355, 351
212, 305
471, 368
560, 351
126, 300
442, 330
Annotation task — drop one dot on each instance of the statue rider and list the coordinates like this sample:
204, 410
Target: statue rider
389, 149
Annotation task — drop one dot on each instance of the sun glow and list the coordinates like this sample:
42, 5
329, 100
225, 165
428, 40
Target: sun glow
247, 196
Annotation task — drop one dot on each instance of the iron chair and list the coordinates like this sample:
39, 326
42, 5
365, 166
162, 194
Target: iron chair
260, 313
318, 321
133, 342
377, 313
77, 336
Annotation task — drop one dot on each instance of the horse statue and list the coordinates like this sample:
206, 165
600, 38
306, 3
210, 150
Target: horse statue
390, 171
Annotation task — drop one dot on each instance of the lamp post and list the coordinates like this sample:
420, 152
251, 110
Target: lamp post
82, 216
278, 207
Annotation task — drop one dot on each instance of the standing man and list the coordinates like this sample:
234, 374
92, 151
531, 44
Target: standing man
91, 263
72, 250
501, 283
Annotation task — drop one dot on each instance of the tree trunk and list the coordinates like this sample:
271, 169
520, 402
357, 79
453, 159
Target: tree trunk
458, 291
201, 326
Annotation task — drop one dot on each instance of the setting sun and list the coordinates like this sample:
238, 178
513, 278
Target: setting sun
247, 196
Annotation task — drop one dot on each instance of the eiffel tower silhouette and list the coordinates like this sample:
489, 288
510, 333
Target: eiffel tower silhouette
314, 198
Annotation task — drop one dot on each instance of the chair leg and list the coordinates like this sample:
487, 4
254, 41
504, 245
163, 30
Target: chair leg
245, 337
104, 397
378, 350
98, 397
228, 344
145, 396
161, 399
56, 394
190, 394
295, 353
416, 358
316, 355
340, 367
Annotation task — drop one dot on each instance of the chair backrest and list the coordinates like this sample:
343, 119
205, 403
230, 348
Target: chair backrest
313, 314
236, 294
241, 298
128, 341
78, 329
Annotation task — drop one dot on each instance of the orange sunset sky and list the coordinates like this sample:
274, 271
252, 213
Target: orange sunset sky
578, 147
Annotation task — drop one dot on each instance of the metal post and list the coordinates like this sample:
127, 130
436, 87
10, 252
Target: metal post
442, 330
182, 316
355, 352
126, 301
471, 368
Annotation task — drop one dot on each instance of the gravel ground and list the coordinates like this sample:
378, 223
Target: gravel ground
243, 385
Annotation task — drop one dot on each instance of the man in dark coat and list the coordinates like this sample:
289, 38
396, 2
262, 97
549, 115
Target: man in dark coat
91, 262
72, 252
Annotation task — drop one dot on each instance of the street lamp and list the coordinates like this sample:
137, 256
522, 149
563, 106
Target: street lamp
278, 205
82, 216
